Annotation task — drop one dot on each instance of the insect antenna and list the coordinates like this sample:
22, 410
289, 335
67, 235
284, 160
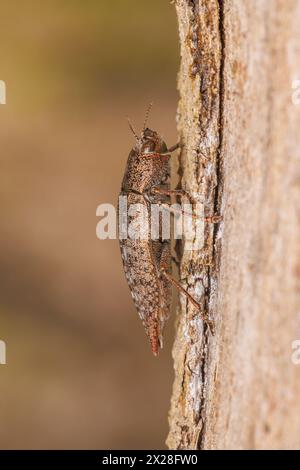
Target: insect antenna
132, 129
147, 117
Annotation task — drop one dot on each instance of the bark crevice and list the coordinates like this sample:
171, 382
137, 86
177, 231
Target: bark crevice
199, 124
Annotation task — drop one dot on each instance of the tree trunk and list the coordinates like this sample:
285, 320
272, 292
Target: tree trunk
239, 389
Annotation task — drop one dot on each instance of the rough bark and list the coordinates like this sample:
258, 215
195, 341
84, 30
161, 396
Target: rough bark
240, 389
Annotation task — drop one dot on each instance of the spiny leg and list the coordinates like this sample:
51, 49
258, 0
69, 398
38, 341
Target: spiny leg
172, 149
173, 192
213, 219
181, 289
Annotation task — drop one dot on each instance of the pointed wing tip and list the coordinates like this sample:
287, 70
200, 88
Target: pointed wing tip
154, 347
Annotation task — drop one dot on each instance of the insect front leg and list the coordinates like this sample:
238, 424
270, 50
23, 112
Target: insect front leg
161, 154
172, 149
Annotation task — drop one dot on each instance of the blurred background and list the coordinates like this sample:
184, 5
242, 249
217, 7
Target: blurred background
79, 371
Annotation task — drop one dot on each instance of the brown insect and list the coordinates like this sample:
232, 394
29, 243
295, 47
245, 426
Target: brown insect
147, 262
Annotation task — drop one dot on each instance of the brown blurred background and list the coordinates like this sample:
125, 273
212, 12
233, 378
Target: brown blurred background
79, 370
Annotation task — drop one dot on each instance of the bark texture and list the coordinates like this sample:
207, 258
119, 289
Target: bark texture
240, 389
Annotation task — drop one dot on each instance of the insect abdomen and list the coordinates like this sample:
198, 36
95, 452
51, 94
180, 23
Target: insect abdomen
151, 294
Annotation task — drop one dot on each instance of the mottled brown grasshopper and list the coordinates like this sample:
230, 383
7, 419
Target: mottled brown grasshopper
147, 262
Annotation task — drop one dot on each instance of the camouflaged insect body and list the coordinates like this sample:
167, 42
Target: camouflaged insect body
143, 259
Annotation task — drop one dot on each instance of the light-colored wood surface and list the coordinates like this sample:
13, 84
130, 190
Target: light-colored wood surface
240, 389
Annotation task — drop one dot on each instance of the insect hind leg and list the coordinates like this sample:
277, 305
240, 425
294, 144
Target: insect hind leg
204, 315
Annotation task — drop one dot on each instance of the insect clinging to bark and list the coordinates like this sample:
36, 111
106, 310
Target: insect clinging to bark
147, 262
